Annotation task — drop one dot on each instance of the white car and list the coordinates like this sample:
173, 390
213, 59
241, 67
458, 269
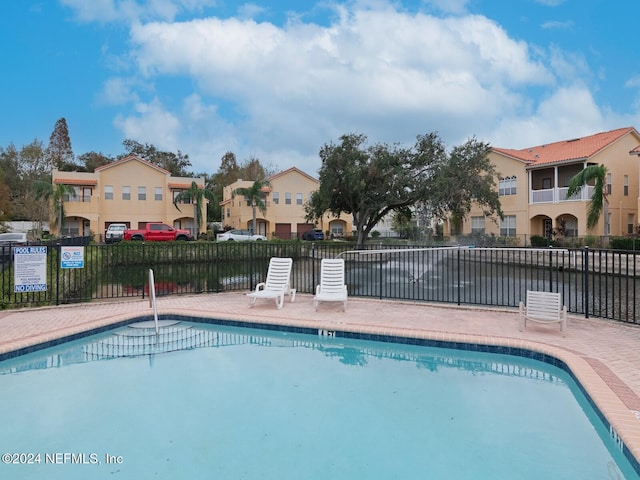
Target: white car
239, 236
115, 232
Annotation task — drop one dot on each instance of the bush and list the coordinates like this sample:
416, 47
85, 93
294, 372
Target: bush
624, 243
540, 241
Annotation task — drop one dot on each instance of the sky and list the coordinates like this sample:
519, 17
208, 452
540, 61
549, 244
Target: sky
276, 80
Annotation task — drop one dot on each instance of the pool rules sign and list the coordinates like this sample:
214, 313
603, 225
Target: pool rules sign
30, 269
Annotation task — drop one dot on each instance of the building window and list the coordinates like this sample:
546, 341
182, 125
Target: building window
142, 193
287, 198
507, 186
158, 194
508, 226
631, 225
126, 192
571, 227
228, 212
276, 198
626, 186
247, 200
108, 192
477, 225
298, 199
546, 183
609, 186
86, 194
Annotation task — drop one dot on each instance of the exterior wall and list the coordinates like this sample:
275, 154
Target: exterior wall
530, 217
94, 212
281, 219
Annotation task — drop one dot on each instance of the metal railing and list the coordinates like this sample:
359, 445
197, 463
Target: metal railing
593, 282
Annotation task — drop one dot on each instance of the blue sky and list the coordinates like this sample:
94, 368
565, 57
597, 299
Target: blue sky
278, 79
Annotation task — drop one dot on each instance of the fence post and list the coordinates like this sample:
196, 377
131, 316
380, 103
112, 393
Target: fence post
585, 289
251, 285
58, 250
458, 282
144, 263
551, 269
313, 267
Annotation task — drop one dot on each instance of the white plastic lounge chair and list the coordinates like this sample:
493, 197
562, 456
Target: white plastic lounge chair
332, 287
277, 283
543, 307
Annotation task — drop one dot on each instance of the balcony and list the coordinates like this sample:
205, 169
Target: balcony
557, 195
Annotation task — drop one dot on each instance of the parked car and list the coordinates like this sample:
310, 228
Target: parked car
315, 234
239, 235
115, 232
10, 240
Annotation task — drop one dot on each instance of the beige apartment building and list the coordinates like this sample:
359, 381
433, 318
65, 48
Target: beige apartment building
132, 191
285, 215
533, 183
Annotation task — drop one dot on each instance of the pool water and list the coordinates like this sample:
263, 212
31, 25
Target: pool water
229, 403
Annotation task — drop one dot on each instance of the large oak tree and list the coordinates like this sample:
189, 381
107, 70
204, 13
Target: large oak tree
369, 182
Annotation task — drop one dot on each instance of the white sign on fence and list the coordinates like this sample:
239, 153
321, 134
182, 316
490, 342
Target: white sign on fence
72, 257
30, 269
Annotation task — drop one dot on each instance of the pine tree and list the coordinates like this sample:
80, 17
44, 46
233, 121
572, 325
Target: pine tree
59, 153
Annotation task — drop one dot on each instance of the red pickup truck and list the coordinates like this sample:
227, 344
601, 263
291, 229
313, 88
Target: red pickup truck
157, 232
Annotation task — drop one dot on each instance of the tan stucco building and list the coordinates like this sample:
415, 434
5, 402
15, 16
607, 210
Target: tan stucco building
285, 215
132, 191
533, 185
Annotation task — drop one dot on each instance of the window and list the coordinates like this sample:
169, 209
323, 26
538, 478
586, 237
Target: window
248, 200
276, 198
571, 227
508, 226
108, 192
609, 186
86, 194
228, 212
158, 194
630, 223
126, 192
626, 186
507, 186
142, 193
477, 225
298, 199
287, 198
546, 183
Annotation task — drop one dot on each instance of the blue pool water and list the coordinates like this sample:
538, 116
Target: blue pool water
215, 402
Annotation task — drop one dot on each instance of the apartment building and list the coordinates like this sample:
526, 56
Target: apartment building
285, 216
132, 191
533, 185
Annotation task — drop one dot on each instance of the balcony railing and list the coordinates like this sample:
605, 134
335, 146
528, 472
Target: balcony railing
555, 195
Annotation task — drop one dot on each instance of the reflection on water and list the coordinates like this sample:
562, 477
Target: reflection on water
136, 342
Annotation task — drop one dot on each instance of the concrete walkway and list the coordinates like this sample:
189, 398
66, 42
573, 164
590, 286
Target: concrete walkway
603, 355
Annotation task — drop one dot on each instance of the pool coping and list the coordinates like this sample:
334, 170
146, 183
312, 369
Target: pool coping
623, 424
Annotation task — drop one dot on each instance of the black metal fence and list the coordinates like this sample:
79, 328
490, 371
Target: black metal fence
599, 283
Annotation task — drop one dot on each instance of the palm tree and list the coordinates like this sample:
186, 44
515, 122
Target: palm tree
599, 200
196, 195
255, 196
55, 193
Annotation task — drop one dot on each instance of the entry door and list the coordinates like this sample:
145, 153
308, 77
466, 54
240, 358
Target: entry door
547, 227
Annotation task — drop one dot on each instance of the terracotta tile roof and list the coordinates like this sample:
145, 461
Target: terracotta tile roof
186, 186
75, 181
635, 151
567, 150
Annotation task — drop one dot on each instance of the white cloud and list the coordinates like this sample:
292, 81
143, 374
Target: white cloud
132, 11
385, 73
151, 123
555, 24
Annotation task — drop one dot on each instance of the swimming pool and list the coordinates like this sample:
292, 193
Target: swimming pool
223, 402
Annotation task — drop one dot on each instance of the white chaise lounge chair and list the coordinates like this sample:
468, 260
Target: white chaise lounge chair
332, 287
543, 307
277, 283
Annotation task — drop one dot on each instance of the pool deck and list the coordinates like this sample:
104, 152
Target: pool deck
603, 355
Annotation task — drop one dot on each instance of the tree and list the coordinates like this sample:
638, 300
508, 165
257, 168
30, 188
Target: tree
596, 174
369, 182
196, 195
255, 196
466, 178
91, 160
55, 194
175, 163
59, 153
